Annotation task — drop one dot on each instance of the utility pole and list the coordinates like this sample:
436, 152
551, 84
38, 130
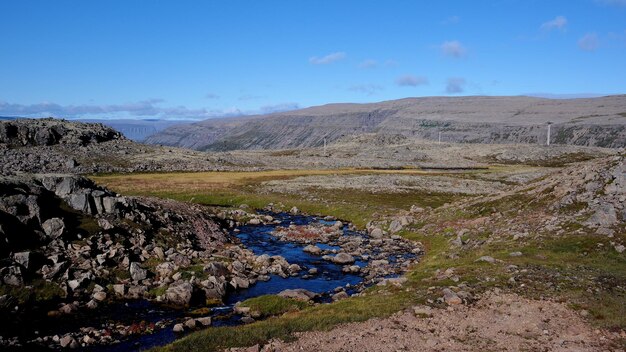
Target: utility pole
548, 138
439, 141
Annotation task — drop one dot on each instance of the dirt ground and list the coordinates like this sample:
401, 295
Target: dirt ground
497, 322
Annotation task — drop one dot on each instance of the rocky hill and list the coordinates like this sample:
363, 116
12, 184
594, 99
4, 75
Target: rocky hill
589, 122
50, 131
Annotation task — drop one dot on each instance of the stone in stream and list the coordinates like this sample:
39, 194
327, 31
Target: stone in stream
204, 321
339, 296
343, 258
190, 323
178, 328
312, 249
254, 221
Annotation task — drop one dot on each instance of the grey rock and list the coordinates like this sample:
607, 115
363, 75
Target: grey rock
239, 282
179, 294
313, 249
343, 258
339, 296
53, 227
487, 259
395, 226
119, 289
67, 341
204, 321
136, 291
450, 297
23, 259
190, 323
298, 294
376, 233
137, 273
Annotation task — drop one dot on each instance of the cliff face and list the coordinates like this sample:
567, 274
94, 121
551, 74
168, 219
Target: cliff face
590, 122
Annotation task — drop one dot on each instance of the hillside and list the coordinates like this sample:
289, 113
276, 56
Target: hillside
589, 122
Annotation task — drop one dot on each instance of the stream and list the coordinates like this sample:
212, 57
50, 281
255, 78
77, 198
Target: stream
257, 238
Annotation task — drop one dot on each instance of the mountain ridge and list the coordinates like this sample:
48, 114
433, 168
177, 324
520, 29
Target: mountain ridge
477, 119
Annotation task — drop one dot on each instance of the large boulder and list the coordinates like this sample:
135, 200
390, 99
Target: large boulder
179, 293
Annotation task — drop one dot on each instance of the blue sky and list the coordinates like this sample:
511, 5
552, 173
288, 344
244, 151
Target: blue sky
197, 59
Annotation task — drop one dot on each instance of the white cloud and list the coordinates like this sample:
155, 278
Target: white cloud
588, 42
411, 81
328, 59
453, 48
369, 89
369, 63
211, 96
455, 85
559, 22
147, 108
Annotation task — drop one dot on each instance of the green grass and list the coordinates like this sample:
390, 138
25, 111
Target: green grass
37, 291
196, 271
270, 305
322, 317
233, 189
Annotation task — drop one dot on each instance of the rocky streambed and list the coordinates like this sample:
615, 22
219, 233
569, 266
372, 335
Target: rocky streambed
302, 257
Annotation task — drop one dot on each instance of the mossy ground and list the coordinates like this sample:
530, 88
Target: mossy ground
576, 267
272, 305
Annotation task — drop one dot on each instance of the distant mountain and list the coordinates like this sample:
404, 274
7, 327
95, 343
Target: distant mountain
480, 119
137, 130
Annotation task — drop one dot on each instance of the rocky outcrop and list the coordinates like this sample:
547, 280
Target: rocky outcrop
589, 122
46, 132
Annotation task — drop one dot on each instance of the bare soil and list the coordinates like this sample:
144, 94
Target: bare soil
496, 322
